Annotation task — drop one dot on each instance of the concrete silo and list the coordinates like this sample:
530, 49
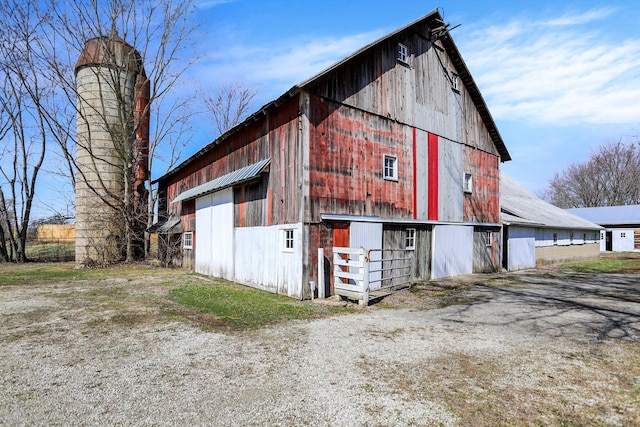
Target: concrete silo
112, 146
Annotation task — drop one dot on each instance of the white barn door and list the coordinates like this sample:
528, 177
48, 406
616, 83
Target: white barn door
368, 235
521, 249
452, 251
214, 252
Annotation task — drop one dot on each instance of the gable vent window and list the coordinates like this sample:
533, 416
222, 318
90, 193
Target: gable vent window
390, 167
468, 183
455, 82
403, 53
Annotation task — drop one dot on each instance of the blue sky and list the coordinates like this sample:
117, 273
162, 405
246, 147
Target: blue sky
559, 77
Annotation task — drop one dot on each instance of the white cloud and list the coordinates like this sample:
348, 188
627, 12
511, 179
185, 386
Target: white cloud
556, 72
275, 68
208, 4
581, 18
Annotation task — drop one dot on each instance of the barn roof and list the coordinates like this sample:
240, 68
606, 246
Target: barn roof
450, 47
435, 19
242, 175
610, 215
518, 206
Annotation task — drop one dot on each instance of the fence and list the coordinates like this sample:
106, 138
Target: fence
365, 275
50, 251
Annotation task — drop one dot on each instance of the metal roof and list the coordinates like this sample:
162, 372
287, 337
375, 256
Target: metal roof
518, 206
245, 174
167, 225
610, 215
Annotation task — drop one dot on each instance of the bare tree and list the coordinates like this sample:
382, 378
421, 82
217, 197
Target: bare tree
610, 177
228, 105
24, 91
160, 31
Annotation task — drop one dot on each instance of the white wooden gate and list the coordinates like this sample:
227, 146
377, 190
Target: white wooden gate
364, 275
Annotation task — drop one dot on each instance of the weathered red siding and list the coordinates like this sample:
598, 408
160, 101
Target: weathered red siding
275, 135
346, 163
483, 203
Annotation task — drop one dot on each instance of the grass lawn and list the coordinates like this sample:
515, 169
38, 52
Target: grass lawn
141, 293
611, 262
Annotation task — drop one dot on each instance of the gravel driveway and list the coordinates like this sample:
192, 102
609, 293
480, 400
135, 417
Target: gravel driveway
534, 348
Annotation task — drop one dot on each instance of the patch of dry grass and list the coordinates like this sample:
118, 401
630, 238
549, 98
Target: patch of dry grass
596, 388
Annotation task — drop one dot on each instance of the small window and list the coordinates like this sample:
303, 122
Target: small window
455, 82
187, 240
410, 238
390, 167
468, 183
623, 235
489, 237
555, 238
287, 244
403, 53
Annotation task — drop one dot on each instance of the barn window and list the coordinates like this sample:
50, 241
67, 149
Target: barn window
390, 167
403, 53
287, 241
489, 237
468, 183
410, 238
455, 82
187, 240
623, 235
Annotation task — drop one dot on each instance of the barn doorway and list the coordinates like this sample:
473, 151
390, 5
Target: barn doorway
609, 241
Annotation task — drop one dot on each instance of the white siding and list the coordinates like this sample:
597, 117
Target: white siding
262, 261
450, 173
368, 235
452, 251
214, 235
521, 250
620, 243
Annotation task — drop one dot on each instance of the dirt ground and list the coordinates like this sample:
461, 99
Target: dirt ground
545, 347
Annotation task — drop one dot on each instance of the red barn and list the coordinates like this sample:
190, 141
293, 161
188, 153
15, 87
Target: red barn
390, 148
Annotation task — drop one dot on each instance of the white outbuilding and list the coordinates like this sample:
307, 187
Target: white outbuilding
621, 226
536, 232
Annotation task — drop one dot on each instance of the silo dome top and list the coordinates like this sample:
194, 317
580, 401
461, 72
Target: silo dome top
110, 50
